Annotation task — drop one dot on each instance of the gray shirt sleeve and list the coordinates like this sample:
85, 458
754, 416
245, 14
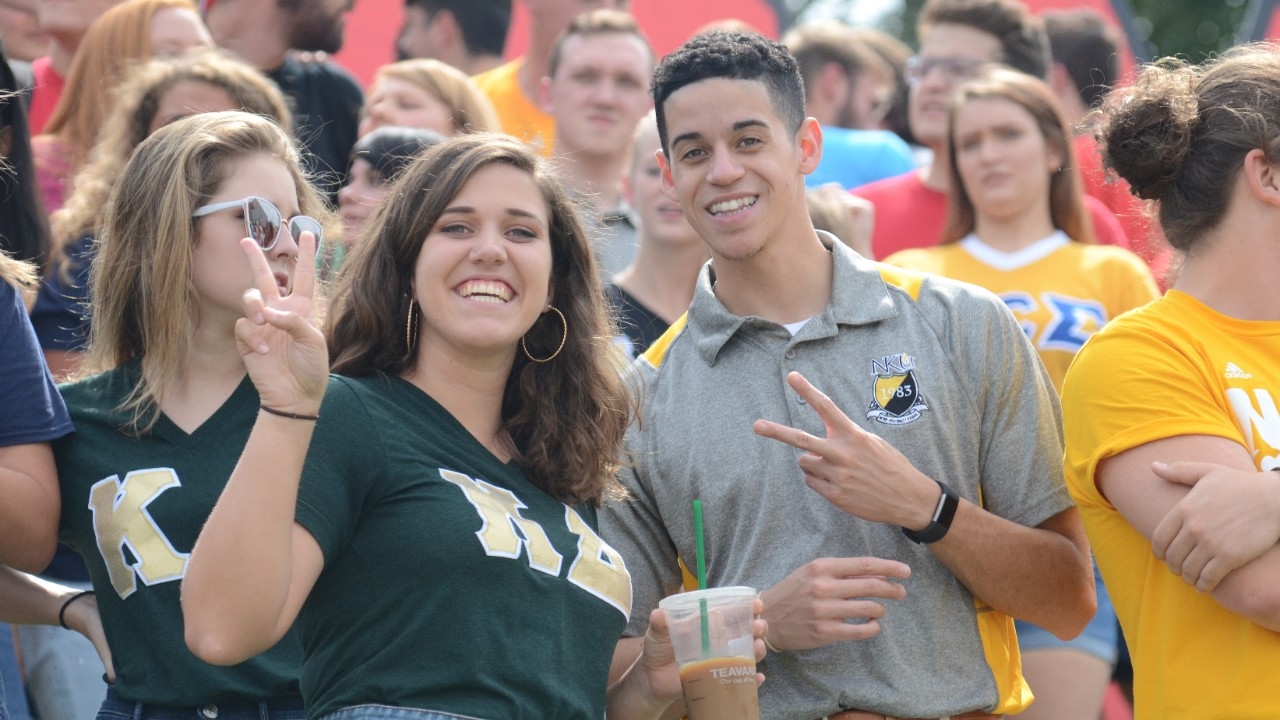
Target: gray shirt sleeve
1020, 456
634, 527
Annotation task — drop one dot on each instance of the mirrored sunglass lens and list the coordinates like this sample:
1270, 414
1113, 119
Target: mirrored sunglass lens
264, 222
301, 224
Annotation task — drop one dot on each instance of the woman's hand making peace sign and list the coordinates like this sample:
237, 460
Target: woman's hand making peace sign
283, 348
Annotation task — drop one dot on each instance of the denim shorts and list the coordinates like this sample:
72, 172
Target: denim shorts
1101, 637
387, 712
286, 708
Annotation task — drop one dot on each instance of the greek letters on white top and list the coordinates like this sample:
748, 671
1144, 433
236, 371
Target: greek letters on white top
1072, 321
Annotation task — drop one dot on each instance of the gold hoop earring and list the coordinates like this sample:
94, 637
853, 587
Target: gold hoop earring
411, 327
563, 337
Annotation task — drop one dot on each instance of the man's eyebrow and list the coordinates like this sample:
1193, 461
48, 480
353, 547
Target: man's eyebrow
737, 127
685, 137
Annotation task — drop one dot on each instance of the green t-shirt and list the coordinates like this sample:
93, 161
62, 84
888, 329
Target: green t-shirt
133, 507
450, 582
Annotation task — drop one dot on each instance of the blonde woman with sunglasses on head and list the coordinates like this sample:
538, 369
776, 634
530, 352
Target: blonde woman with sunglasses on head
160, 428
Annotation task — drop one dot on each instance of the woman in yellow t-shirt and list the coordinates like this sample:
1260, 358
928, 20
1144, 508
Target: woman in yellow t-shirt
1170, 419
1018, 227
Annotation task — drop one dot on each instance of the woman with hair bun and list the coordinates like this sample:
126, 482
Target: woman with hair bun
1170, 411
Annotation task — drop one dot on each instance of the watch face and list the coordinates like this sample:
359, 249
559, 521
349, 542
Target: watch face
942, 517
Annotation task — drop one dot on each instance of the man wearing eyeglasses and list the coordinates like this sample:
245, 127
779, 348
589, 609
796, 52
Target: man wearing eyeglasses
957, 37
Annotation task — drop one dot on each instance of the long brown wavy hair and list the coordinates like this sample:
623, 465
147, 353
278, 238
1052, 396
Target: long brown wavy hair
566, 418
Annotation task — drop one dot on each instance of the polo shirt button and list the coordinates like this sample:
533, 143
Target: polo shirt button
209, 711
791, 354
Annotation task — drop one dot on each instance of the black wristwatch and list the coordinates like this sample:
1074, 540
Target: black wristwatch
942, 516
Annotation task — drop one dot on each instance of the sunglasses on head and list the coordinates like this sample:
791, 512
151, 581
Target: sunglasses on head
263, 222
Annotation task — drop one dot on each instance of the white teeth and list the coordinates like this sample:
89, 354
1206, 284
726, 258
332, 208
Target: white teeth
731, 205
486, 291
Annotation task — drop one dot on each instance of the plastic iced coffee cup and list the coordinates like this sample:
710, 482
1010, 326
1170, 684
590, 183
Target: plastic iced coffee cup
711, 631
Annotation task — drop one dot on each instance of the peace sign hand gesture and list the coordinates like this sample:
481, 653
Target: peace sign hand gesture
283, 349
857, 471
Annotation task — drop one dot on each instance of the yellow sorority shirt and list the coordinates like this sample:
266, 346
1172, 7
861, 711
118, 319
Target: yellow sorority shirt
519, 115
1175, 368
1062, 292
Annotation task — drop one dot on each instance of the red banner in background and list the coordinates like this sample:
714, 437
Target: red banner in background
372, 27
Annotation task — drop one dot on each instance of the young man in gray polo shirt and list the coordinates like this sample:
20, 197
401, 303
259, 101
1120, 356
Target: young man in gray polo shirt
892, 525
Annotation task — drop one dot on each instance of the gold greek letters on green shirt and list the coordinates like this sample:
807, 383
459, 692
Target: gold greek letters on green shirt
598, 568
120, 518
499, 508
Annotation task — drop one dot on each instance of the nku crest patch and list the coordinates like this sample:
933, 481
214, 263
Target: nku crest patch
895, 394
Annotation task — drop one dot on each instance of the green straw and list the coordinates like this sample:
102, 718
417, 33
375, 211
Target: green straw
702, 575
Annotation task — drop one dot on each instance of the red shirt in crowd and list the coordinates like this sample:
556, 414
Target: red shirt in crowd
44, 94
912, 215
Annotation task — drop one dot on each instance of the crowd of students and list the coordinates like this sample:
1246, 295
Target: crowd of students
395, 407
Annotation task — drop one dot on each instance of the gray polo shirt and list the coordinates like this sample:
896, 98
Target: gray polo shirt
938, 368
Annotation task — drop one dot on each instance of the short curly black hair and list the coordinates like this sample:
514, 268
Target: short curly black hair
733, 56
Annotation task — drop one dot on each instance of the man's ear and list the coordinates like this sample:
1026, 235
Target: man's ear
809, 140
544, 96
1061, 82
628, 189
668, 183
832, 85
444, 29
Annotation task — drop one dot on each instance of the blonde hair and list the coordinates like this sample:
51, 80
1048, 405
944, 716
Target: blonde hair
145, 306
138, 101
469, 109
18, 273
118, 39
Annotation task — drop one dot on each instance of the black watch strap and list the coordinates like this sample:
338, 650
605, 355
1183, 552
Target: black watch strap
942, 516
